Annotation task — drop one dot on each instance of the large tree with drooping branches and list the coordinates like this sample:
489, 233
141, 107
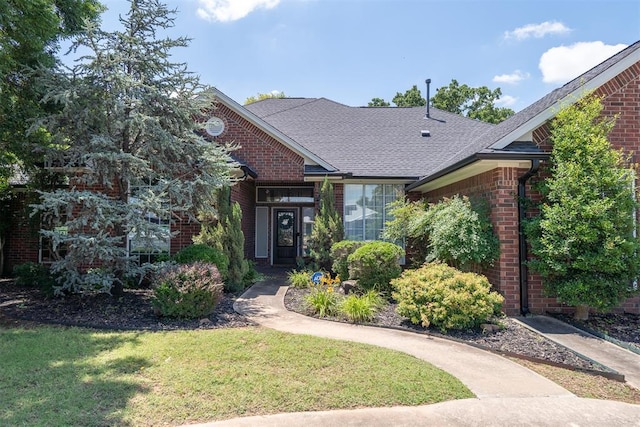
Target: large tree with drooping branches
127, 134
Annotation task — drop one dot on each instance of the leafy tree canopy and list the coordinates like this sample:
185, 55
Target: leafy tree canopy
410, 98
378, 102
128, 117
473, 102
583, 240
261, 96
30, 31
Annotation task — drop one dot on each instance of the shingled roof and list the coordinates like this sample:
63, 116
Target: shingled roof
371, 141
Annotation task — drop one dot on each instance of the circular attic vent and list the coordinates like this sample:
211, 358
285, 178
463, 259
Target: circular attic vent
214, 126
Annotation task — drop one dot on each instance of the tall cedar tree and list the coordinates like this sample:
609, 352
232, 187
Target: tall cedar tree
128, 120
583, 240
225, 234
327, 228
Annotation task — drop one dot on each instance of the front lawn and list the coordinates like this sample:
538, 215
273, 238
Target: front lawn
73, 376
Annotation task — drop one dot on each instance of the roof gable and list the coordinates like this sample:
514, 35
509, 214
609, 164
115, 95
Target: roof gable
310, 157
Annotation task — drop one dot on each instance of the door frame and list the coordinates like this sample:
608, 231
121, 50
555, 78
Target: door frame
273, 232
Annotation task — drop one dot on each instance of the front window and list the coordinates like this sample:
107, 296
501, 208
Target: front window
150, 237
365, 209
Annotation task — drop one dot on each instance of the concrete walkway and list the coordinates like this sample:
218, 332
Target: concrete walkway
615, 357
507, 393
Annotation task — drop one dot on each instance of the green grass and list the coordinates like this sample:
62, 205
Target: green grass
58, 376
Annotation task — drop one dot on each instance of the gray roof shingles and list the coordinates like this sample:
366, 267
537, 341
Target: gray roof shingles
370, 141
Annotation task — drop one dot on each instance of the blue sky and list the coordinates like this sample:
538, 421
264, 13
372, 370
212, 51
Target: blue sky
353, 50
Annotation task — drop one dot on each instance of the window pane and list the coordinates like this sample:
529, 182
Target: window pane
285, 195
353, 212
308, 215
365, 209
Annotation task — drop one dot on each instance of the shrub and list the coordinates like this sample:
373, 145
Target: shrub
187, 291
204, 253
460, 234
374, 264
361, 308
31, 274
299, 278
340, 252
327, 227
441, 296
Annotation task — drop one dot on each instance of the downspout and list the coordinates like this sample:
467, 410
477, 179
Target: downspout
522, 240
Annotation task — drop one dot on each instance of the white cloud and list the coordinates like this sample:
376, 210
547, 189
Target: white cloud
511, 79
506, 101
564, 63
231, 10
537, 30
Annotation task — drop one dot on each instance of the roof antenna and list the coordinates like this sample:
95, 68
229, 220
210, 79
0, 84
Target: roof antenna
428, 82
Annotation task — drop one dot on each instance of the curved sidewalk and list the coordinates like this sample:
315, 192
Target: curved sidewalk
507, 393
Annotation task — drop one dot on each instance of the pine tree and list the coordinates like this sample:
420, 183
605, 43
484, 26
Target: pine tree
583, 240
327, 228
128, 123
225, 234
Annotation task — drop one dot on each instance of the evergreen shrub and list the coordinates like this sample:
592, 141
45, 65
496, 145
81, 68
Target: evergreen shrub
204, 253
188, 291
31, 274
374, 264
340, 251
441, 296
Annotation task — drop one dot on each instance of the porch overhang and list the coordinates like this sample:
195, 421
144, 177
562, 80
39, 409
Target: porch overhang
476, 164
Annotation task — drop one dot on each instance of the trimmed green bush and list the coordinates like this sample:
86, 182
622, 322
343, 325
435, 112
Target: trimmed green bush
361, 308
340, 253
31, 274
188, 291
204, 253
441, 296
374, 264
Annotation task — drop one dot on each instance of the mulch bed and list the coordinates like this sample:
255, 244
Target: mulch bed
132, 311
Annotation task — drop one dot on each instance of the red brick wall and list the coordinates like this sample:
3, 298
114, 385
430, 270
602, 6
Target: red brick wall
22, 244
267, 156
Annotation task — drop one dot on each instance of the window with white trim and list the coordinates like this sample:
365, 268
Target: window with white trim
366, 211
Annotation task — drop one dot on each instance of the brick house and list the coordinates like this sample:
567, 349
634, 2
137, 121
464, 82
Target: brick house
375, 155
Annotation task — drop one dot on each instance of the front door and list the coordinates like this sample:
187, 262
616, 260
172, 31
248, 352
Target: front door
285, 242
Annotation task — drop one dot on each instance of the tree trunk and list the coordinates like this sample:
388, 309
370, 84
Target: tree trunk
582, 312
